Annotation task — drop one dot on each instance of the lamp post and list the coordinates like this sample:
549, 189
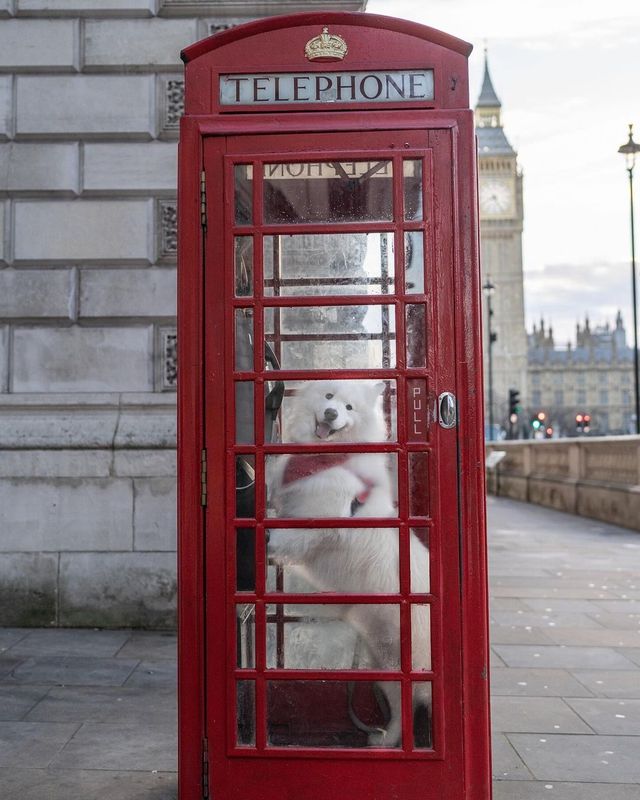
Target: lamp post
488, 288
629, 150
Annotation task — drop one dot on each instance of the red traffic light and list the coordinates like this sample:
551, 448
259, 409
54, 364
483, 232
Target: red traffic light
579, 417
541, 415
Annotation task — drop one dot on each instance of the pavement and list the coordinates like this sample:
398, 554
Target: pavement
90, 715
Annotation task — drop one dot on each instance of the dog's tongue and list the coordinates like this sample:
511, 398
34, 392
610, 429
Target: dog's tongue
323, 430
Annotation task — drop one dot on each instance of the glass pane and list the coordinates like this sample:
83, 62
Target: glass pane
412, 182
328, 264
243, 259
333, 714
420, 579
244, 339
333, 337
246, 713
422, 715
244, 412
312, 485
245, 486
416, 336
243, 179
245, 560
339, 411
419, 484
345, 560
414, 262
246, 635
421, 637
329, 191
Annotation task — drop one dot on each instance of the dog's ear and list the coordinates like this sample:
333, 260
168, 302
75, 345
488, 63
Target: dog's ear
378, 388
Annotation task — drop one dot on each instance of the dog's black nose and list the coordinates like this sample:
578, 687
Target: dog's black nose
330, 414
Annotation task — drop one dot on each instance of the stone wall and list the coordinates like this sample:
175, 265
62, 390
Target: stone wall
594, 477
91, 93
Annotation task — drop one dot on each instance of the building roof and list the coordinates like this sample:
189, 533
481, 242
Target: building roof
488, 96
492, 141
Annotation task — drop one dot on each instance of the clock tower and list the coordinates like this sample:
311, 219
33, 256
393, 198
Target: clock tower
501, 216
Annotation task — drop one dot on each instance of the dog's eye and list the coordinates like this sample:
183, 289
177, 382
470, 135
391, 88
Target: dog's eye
349, 407
328, 395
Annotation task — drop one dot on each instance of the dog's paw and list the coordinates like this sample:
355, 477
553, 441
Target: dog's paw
378, 738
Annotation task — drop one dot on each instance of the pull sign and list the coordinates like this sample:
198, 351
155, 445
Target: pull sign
417, 414
447, 411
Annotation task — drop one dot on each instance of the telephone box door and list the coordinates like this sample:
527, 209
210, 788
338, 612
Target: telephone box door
333, 590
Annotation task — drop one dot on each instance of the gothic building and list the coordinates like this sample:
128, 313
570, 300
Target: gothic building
595, 377
501, 223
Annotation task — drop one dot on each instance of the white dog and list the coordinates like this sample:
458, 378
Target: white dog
348, 560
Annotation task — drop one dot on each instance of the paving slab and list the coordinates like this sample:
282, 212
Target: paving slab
34, 743
511, 634
537, 790
562, 657
97, 745
74, 784
150, 674
601, 759
538, 715
127, 705
148, 645
74, 642
603, 683
17, 701
73, 671
506, 763
539, 683
608, 716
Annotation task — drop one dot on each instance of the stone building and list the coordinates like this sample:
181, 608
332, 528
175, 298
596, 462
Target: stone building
595, 377
501, 224
90, 101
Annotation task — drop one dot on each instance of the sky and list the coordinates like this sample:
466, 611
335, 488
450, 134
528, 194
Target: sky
568, 75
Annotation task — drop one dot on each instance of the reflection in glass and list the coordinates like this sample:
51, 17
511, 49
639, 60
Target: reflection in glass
329, 191
419, 484
246, 713
244, 339
243, 184
331, 713
318, 637
328, 263
289, 551
245, 486
246, 635
416, 336
412, 183
244, 412
414, 262
333, 337
420, 637
245, 560
420, 579
313, 485
243, 259
339, 411
422, 715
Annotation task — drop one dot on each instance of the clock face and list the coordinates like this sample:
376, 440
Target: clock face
496, 198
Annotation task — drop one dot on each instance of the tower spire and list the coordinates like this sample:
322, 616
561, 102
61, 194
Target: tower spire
488, 106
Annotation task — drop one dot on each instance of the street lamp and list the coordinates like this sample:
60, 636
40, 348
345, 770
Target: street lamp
489, 288
629, 150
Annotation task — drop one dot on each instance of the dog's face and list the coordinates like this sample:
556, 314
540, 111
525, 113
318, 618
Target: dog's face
343, 411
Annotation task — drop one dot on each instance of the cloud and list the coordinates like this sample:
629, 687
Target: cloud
564, 293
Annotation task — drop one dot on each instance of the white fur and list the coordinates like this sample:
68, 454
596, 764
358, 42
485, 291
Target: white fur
345, 559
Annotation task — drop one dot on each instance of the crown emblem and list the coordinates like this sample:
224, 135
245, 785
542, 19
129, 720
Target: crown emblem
326, 47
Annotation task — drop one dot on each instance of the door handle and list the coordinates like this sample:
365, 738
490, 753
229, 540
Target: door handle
447, 410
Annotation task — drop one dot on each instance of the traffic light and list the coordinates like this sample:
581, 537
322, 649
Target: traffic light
579, 423
586, 423
514, 402
549, 432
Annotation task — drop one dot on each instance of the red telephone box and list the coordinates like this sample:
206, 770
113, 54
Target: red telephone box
333, 615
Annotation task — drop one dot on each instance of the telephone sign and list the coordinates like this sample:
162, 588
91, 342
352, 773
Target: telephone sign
333, 616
